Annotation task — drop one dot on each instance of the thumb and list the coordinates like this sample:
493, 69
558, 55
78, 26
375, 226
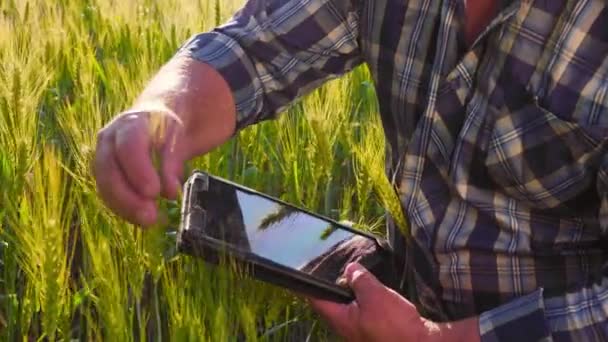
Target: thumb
367, 288
174, 157
171, 174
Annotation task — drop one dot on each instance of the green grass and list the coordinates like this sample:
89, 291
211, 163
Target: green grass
73, 270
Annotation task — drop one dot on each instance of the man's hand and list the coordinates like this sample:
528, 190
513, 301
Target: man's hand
185, 111
127, 179
381, 314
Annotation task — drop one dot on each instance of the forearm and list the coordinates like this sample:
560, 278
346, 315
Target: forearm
198, 96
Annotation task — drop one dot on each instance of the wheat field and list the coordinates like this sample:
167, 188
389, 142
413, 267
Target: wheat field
71, 270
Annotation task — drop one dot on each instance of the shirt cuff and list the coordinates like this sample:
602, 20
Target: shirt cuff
521, 320
225, 55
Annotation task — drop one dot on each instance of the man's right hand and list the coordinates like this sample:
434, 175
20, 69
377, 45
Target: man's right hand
126, 176
194, 122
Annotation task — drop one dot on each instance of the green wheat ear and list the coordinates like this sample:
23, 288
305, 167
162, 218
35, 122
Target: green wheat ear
59, 88
218, 12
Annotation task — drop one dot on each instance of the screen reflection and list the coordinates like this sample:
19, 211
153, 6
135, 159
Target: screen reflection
280, 233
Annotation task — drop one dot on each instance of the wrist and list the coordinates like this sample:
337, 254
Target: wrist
197, 98
466, 330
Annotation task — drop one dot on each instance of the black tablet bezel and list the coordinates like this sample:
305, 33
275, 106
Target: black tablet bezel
211, 249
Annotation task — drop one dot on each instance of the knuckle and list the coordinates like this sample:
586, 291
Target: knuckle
130, 137
101, 135
103, 170
95, 166
122, 134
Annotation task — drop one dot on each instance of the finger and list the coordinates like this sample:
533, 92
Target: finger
368, 290
132, 148
341, 318
115, 190
328, 309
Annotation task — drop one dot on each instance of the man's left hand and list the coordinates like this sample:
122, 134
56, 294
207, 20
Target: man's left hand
381, 314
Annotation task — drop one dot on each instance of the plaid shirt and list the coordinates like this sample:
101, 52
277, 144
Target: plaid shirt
499, 149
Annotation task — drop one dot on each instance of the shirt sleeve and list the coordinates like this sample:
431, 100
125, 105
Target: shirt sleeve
579, 315
272, 52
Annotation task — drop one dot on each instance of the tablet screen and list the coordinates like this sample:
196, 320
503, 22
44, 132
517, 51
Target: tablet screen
283, 234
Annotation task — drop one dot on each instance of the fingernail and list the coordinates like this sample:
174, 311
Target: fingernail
353, 270
356, 274
150, 190
342, 282
352, 267
144, 216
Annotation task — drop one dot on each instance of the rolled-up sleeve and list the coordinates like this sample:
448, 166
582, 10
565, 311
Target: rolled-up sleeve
272, 52
580, 315
521, 320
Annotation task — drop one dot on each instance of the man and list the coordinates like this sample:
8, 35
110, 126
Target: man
496, 121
